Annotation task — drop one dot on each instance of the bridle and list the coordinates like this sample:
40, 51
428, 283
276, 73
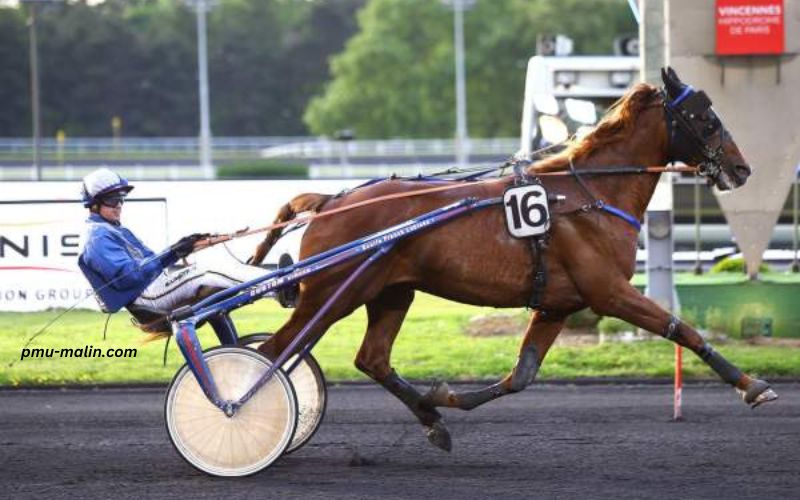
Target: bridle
691, 123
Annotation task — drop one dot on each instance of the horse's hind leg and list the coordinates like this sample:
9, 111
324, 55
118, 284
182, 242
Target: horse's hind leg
625, 302
539, 336
385, 316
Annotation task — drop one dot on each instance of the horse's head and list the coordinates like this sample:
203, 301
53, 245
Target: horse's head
697, 135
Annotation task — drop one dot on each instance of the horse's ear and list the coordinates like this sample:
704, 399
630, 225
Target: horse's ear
671, 81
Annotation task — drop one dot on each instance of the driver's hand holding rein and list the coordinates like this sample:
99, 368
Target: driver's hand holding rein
123, 271
190, 244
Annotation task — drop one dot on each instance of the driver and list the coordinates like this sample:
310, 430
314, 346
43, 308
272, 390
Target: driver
125, 273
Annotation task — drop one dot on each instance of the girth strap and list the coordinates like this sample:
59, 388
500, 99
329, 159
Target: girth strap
540, 276
538, 244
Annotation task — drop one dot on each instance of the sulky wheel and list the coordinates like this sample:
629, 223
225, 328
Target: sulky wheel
254, 437
309, 386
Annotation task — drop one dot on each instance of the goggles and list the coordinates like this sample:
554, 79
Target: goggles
113, 201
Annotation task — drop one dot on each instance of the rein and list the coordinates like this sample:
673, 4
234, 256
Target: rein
623, 170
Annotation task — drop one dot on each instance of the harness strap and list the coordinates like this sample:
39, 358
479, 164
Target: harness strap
678, 123
538, 244
671, 124
681, 126
582, 183
630, 219
670, 118
601, 205
687, 91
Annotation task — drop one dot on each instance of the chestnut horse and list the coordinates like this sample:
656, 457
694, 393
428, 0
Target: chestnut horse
589, 259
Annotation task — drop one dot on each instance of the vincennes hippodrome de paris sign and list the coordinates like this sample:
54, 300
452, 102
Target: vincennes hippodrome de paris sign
749, 27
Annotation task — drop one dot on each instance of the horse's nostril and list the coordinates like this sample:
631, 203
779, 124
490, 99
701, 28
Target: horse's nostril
743, 171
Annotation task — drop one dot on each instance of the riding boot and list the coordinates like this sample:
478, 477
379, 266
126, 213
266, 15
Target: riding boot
287, 295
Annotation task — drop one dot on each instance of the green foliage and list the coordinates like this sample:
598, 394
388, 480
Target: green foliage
735, 265
14, 88
262, 169
718, 322
584, 318
382, 81
609, 325
692, 316
395, 76
138, 60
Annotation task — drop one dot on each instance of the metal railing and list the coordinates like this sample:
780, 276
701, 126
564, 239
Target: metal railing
178, 157
136, 157
327, 148
137, 144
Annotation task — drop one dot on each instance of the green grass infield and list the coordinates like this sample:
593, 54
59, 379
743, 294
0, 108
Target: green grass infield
433, 344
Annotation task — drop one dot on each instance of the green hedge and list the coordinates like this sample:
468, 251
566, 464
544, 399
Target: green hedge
735, 265
584, 318
262, 169
609, 325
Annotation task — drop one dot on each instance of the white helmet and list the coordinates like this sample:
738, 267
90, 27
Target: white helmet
100, 183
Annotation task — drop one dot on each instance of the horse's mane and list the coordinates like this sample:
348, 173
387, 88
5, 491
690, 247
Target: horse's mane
616, 125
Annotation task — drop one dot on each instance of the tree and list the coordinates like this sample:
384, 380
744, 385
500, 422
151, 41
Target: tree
137, 59
162, 94
95, 65
14, 77
267, 58
395, 76
391, 78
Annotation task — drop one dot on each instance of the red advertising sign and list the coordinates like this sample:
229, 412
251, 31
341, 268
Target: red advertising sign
749, 27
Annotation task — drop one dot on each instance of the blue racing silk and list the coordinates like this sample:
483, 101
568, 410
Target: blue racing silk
117, 264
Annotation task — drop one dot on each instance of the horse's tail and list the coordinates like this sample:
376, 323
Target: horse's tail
307, 202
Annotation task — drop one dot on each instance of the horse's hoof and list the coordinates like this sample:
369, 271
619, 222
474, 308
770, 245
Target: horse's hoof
439, 436
438, 395
765, 397
757, 393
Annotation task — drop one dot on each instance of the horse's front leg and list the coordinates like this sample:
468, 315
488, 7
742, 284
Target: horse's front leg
623, 301
539, 336
385, 315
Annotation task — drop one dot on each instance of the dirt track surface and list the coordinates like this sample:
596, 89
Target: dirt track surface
551, 441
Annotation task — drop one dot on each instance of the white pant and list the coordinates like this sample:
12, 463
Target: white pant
182, 286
